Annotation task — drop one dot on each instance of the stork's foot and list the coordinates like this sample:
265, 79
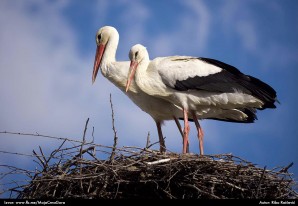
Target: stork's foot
187, 147
162, 150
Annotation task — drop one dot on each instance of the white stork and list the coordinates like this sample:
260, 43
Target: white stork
199, 86
107, 39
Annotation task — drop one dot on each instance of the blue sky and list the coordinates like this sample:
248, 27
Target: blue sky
46, 61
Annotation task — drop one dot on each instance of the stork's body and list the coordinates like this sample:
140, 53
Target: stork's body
200, 86
107, 39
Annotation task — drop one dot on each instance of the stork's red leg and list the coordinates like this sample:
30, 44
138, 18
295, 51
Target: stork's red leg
200, 133
186, 131
181, 132
162, 146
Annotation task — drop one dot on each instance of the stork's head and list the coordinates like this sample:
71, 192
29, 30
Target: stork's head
102, 38
137, 54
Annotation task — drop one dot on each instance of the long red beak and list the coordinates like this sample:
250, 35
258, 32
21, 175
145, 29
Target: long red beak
98, 56
132, 70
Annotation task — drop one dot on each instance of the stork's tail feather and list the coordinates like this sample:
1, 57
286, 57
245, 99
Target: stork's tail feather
249, 113
263, 91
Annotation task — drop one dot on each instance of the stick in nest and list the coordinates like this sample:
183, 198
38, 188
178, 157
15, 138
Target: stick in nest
114, 129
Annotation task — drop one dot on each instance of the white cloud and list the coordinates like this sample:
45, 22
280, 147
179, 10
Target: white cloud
236, 19
203, 19
100, 11
45, 85
240, 19
190, 34
247, 33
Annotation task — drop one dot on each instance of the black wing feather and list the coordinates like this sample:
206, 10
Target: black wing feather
230, 80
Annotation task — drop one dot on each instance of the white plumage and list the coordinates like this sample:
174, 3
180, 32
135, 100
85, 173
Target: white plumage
171, 68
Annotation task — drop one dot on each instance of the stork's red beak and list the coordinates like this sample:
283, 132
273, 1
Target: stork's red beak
98, 56
132, 70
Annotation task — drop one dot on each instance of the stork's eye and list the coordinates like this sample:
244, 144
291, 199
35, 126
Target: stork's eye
136, 54
99, 37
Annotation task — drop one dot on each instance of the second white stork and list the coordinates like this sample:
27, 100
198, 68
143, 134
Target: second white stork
198, 85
